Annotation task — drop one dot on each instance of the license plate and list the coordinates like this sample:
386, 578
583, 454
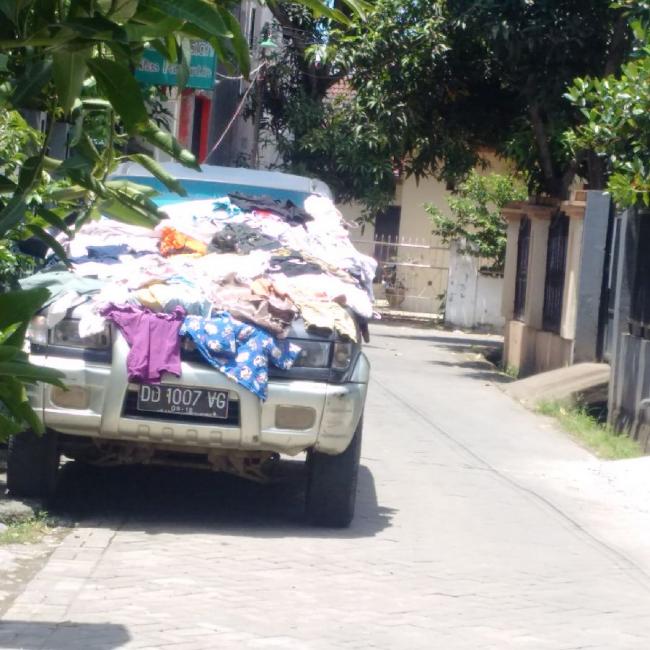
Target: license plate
181, 400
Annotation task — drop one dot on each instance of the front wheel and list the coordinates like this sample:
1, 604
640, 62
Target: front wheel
332, 485
32, 464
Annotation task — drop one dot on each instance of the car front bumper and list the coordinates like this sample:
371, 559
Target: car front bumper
102, 392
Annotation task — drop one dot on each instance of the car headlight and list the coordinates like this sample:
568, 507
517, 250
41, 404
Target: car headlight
313, 354
343, 354
66, 334
37, 331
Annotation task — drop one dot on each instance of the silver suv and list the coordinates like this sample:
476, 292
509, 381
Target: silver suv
202, 419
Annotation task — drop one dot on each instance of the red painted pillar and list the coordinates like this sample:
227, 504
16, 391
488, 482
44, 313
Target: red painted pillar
206, 107
186, 118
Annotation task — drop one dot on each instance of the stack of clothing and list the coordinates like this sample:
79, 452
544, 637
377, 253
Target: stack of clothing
229, 274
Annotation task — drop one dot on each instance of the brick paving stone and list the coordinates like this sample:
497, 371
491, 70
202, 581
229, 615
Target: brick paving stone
478, 526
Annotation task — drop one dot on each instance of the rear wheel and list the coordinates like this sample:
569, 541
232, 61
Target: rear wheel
332, 485
32, 464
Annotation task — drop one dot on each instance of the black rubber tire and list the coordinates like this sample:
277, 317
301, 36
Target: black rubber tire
332, 485
32, 464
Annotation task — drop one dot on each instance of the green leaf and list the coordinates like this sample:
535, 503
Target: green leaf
12, 213
129, 187
31, 373
320, 9
7, 185
69, 71
123, 91
239, 42
123, 10
53, 219
120, 211
158, 172
97, 28
8, 427
184, 56
159, 29
31, 83
71, 193
167, 142
50, 241
359, 6
29, 170
199, 12
7, 332
19, 306
8, 352
14, 396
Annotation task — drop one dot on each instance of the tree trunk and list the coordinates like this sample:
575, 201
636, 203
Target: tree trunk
553, 185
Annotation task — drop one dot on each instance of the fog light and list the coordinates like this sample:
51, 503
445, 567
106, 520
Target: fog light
75, 397
294, 417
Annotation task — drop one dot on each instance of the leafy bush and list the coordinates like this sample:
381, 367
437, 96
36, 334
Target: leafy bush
476, 219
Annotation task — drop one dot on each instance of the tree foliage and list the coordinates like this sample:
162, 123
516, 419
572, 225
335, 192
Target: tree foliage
434, 83
616, 111
475, 220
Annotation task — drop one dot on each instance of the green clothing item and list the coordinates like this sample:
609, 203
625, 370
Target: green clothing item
58, 282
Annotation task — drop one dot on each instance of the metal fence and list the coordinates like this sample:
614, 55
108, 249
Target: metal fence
412, 273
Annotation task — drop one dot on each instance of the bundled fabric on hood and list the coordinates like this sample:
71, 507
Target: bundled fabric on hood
107, 232
254, 350
288, 210
59, 282
172, 241
153, 339
328, 316
240, 269
241, 238
262, 308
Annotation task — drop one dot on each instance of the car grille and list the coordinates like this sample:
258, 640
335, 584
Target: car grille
131, 410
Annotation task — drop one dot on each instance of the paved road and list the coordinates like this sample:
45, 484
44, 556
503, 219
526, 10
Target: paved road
478, 526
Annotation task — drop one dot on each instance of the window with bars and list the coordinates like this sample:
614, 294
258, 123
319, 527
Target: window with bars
640, 307
558, 237
521, 277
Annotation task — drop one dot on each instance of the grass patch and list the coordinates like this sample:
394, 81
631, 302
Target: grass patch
511, 371
25, 532
598, 437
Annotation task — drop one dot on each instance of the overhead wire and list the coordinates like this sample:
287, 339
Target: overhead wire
238, 110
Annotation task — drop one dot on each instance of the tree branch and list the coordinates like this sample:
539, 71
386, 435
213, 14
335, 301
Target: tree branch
618, 47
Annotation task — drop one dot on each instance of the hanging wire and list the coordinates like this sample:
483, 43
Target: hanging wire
241, 76
238, 110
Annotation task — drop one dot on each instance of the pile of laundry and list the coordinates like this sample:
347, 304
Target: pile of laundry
229, 274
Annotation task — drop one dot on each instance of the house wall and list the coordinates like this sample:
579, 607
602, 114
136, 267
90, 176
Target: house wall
427, 288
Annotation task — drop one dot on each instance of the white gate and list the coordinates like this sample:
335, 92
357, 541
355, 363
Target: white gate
412, 273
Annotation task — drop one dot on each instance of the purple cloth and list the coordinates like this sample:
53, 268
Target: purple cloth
153, 338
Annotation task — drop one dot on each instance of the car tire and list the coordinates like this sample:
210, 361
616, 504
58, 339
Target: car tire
32, 464
332, 485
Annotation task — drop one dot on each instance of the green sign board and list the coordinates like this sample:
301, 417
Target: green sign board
155, 70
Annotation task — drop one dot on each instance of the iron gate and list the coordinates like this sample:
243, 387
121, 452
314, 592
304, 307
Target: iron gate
412, 273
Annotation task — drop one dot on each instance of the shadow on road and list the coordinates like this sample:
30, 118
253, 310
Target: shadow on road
451, 340
163, 500
28, 635
480, 370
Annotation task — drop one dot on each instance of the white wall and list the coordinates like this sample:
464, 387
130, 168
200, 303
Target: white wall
473, 299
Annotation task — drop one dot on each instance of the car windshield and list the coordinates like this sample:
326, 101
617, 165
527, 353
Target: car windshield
209, 189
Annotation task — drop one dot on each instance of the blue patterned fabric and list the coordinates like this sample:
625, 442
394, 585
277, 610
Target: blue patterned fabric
241, 351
